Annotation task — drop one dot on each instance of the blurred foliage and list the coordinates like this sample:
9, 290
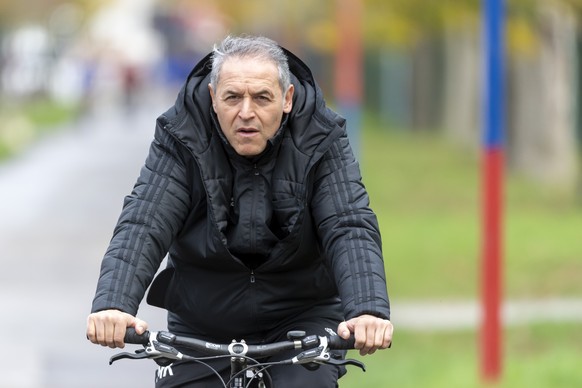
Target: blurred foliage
396, 23
14, 13
23, 124
405, 22
575, 4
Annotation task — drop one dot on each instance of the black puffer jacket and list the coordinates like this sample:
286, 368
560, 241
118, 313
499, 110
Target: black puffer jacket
301, 209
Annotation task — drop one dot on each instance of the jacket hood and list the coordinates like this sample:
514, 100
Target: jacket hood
308, 123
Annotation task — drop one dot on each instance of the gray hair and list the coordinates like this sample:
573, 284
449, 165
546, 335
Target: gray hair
250, 47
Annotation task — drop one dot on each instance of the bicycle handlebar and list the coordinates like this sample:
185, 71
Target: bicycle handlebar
297, 340
338, 343
312, 350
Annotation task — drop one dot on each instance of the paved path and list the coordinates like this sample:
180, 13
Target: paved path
466, 314
58, 205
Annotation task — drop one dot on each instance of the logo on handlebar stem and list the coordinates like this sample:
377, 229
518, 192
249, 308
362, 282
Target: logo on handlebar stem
210, 345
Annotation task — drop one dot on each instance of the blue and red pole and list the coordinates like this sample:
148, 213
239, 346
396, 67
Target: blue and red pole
492, 196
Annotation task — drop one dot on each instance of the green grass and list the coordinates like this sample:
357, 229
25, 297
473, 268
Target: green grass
427, 194
533, 356
425, 197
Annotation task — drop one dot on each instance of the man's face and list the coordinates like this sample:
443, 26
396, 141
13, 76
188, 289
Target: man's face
249, 103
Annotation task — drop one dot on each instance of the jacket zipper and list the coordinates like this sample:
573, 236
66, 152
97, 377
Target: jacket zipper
253, 236
252, 276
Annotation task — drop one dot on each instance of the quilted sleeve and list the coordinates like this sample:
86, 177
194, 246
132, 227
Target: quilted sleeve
151, 217
349, 232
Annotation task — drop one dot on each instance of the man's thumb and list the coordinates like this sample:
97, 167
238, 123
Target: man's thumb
343, 330
139, 325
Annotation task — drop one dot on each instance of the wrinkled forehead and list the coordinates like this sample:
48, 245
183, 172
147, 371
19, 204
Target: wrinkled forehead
252, 71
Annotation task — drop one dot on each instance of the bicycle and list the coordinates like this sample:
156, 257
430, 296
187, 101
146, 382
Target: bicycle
245, 366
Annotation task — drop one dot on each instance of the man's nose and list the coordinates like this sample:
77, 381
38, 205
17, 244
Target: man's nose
247, 109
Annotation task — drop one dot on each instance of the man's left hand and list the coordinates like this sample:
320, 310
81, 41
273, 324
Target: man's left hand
371, 333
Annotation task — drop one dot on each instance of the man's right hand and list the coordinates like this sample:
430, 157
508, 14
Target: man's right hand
107, 327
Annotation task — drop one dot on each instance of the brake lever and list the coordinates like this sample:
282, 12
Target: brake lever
320, 356
138, 355
161, 353
347, 361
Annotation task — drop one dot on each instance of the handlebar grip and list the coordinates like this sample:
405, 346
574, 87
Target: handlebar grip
131, 337
338, 343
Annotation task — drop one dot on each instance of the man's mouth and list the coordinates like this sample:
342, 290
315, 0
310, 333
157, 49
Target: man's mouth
247, 131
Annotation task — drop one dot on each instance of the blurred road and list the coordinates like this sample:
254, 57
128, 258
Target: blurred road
58, 205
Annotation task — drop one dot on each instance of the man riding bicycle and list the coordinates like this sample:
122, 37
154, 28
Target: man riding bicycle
253, 191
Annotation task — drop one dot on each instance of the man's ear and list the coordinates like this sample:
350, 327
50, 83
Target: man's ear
288, 99
212, 97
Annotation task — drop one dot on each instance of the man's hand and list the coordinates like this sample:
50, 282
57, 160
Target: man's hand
107, 327
371, 333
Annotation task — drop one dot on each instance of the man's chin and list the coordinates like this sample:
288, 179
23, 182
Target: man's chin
247, 151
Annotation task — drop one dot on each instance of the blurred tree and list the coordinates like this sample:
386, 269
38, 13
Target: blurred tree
543, 91
431, 61
14, 13
428, 61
